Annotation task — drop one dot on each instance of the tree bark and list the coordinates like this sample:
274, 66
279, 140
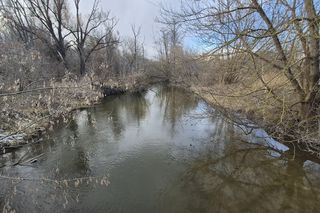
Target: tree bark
310, 104
82, 65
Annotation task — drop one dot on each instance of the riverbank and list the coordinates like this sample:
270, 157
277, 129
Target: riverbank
152, 147
245, 104
27, 115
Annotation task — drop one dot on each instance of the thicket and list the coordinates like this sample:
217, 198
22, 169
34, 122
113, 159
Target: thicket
54, 58
260, 58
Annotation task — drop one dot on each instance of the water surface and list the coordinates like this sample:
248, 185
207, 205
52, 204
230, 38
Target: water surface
161, 152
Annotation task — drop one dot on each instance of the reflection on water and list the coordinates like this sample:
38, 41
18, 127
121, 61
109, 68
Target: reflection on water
161, 155
174, 105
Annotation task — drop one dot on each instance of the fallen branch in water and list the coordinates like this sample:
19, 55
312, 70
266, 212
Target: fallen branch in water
19, 161
32, 160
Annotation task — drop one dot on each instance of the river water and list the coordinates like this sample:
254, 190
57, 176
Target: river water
159, 151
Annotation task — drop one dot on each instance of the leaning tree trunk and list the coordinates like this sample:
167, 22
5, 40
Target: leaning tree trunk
310, 104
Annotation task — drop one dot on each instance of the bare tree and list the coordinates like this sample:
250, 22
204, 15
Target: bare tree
133, 52
136, 33
170, 43
86, 28
289, 30
41, 19
16, 20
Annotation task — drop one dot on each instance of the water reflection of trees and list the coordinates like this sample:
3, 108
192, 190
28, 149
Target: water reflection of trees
175, 103
73, 159
118, 111
247, 179
228, 174
137, 106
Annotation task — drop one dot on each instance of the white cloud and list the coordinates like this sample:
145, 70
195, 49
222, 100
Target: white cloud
138, 12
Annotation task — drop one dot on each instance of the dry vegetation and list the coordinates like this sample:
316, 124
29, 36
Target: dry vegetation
251, 97
53, 61
261, 59
22, 112
261, 64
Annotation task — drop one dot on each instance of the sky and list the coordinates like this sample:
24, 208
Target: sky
135, 12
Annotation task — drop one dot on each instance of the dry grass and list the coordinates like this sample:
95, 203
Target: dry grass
28, 111
40, 110
251, 97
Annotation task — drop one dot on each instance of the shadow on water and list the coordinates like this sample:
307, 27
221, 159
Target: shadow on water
162, 154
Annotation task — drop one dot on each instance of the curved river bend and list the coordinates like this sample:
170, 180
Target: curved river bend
160, 152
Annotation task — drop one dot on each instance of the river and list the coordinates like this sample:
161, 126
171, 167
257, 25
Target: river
163, 150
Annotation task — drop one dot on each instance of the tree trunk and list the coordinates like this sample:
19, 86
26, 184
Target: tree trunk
82, 66
62, 56
308, 110
82, 63
310, 104
314, 45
